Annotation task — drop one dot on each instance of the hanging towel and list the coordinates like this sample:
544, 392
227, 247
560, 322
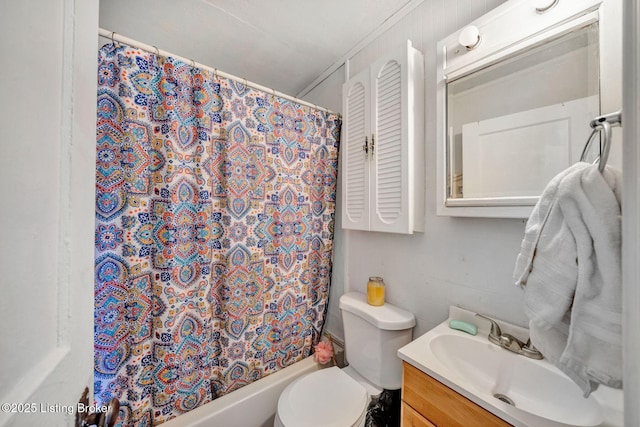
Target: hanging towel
569, 264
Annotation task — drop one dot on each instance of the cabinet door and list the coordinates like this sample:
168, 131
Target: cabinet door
390, 183
411, 418
442, 405
354, 151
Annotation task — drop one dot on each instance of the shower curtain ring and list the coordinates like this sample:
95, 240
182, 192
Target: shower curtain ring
113, 33
157, 51
193, 63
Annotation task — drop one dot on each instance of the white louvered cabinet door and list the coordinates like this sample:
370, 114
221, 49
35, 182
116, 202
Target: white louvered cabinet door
383, 107
390, 190
354, 152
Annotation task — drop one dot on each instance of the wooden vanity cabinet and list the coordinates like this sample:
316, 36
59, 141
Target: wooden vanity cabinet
428, 403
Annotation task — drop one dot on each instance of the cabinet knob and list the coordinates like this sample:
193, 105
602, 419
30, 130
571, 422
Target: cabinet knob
373, 144
365, 148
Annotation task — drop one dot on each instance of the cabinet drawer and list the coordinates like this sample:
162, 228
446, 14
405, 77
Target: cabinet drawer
441, 405
410, 418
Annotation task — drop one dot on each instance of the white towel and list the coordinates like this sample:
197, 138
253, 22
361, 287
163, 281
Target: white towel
570, 264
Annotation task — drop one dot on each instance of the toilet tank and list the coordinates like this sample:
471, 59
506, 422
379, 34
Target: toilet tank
372, 338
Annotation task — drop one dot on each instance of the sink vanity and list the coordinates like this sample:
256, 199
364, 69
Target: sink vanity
452, 378
428, 403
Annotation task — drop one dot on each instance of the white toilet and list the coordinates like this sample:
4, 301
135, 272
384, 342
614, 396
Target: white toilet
339, 397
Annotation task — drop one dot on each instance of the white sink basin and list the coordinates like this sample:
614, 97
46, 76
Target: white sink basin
533, 387
520, 390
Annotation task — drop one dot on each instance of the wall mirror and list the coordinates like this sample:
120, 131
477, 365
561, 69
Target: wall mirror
517, 90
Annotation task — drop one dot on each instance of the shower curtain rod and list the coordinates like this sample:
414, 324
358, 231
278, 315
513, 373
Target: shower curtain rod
115, 37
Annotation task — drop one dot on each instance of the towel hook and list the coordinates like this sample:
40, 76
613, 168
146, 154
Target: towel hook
605, 144
614, 119
602, 124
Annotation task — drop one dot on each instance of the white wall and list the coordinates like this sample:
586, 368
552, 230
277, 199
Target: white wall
47, 168
461, 261
31, 150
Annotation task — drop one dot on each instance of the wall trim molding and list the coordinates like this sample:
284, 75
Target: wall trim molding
390, 22
631, 211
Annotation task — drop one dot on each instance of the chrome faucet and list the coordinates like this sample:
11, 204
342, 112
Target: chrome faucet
509, 342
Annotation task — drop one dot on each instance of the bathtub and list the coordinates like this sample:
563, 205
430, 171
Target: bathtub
253, 405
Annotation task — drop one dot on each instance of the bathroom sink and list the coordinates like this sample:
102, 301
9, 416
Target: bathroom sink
522, 391
529, 385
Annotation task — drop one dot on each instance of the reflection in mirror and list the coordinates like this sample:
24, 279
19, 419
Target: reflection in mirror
513, 125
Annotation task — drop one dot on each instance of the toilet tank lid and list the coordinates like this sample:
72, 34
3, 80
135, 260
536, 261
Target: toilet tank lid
387, 316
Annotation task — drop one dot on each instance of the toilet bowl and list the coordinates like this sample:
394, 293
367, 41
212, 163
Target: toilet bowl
334, 397
329, 397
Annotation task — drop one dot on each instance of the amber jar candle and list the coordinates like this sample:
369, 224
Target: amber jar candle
375, 291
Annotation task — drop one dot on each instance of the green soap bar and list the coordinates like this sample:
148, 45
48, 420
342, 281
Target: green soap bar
467, 327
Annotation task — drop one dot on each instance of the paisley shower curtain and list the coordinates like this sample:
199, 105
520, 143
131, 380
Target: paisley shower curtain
214, 225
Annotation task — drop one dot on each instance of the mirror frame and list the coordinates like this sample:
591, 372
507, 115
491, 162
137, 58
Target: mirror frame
506, 31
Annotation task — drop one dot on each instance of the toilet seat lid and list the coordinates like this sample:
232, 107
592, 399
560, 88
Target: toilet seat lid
328, 397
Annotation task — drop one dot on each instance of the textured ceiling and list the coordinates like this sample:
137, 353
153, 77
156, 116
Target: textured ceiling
281, 44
